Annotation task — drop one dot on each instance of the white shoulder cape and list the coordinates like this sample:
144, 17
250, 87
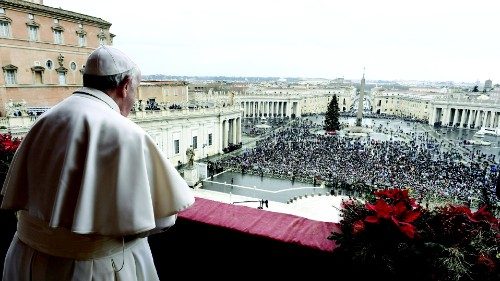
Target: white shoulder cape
86, 168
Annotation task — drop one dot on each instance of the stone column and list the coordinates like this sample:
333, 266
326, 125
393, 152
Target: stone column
233, 131
226, 134
462, 118
221, 136
238, 133
477, 122
432, 117
446, 116
298, 112
455, 117
466, 118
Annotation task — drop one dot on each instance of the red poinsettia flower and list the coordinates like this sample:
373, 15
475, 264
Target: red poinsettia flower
358, 227
457, 210
480, 215
487, 261
395, 195
407, 229
7, 144
382, 210
483, 215
404, 220
399, 214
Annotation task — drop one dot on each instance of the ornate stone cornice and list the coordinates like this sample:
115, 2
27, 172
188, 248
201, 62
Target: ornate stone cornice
32, 23
101, 35
38, 68
58, 27
5, 18
62, 69
53, 12
9, 67
81, 31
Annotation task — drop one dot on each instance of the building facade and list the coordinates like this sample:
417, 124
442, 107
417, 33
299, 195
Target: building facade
463, 110
466, 111
157, 95
405, 104
43, 52
292, 102
207, 130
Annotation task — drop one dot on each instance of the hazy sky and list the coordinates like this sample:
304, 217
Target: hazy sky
414, 40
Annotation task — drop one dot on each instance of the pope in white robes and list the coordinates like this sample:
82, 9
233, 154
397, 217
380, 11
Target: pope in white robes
90, 185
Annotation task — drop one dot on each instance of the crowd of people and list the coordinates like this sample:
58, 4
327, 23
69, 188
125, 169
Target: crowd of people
431, 168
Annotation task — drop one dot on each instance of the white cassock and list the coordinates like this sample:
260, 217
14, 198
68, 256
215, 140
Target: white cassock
88, 182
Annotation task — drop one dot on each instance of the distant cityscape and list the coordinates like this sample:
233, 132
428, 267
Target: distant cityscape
388, 84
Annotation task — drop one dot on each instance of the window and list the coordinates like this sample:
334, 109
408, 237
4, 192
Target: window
33, 32
31, 16
2, 11
82, 36
4, 29
37, 70
195, 142
49, 64
210, 139
72, 65
176, 147
58, 38
62, 78
82, 41
56, 21
10, 77
102, 37
38, 77
10, 74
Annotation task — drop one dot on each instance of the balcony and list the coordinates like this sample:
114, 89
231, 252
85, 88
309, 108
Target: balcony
215, 239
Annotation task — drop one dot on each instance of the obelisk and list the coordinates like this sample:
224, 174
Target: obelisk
359, 116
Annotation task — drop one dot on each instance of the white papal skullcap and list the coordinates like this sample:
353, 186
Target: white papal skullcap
107, 60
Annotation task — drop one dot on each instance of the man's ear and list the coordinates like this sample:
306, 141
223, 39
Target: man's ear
124, 86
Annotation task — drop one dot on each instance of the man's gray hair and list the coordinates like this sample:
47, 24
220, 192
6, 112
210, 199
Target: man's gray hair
110, 82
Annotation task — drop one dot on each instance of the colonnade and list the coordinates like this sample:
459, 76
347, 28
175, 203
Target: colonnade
467, 117
230, 131
269, 108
